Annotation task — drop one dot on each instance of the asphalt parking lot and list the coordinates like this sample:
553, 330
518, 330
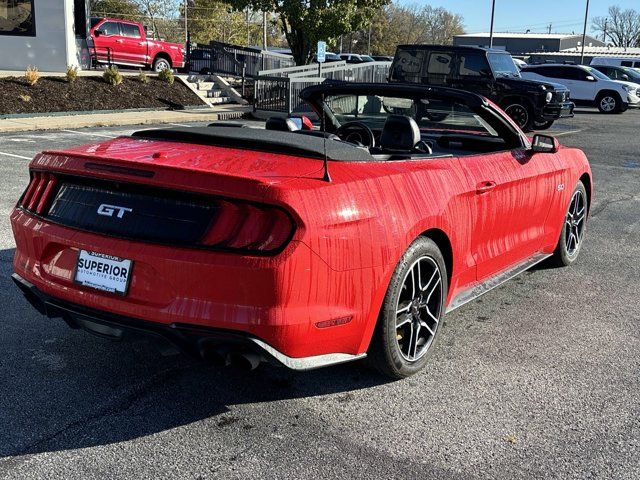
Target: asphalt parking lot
540, 378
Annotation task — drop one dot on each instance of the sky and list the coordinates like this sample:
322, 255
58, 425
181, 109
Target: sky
566, 16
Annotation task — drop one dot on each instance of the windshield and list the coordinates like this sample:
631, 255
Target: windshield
503, 65
633, 73
597, 73
429, 114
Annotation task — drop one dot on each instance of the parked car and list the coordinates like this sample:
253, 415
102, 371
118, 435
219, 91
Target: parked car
627, 61
488, 72
328, 58
625, 74
382, 58
351, 57
305, 248
124, 42
588, 86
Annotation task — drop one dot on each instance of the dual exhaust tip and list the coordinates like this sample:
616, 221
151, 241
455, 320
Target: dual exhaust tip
222, 357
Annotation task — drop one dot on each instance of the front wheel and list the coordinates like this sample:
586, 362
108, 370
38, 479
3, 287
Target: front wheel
573, 229
411, 315
520, 113
161, 64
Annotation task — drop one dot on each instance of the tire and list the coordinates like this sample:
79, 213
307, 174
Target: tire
160, 64
407, 310
573, 227
542, 125
609, 102
521, 113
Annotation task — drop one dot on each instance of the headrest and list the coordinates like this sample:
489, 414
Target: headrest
281, 124
400, 133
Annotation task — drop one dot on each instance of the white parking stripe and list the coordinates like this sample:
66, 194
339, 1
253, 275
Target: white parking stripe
567, 133
89, 134
179, 124
14, 155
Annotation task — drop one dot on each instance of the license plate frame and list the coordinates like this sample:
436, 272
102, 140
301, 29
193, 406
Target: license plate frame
89, 276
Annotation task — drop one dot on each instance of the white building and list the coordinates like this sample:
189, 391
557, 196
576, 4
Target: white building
49, 34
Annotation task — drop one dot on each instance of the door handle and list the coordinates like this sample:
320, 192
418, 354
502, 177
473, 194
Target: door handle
119, 41
484, 187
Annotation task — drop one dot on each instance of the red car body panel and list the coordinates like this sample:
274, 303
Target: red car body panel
322, 294
124, 49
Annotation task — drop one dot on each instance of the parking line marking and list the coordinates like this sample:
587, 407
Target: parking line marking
16, 156
90, 134
179, 124
568, 133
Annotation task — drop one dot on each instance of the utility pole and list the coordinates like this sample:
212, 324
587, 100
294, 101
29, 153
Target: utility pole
584, 33
493, 11
248, 30
550, 25
186, 30
369, 41
604, 32
264, 31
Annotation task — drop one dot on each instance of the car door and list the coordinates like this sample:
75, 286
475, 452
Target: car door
582, 85
473, 74
107, 42
513, 196
133, 45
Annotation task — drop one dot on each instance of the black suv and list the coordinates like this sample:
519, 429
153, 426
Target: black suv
488, 72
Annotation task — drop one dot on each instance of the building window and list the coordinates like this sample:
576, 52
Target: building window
17, 17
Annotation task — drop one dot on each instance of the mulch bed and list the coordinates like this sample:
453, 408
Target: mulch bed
55, 94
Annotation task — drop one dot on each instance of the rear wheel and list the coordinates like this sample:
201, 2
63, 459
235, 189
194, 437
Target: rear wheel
412, 312
573, 229
609, 102
520, 113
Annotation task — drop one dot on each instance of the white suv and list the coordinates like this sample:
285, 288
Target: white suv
588, 86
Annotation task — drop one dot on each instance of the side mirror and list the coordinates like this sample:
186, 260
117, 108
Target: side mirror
590, 78
544, 144
97, 33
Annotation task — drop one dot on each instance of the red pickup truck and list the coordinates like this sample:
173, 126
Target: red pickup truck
124, 42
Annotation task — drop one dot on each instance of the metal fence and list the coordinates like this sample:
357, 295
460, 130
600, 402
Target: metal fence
227, 59
280, 90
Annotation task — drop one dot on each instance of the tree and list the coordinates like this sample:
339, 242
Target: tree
398, 24
305, 22
115, 8
215, 20
621, 26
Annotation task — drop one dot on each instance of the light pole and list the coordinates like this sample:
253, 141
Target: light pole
584, 32
186, 34
493, 12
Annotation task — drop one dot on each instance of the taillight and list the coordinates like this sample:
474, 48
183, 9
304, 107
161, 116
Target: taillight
39, 192
248, 227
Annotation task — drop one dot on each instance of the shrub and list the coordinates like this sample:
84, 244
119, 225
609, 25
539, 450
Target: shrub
72, 73
32, 75
112, 76
143, 77
166, 76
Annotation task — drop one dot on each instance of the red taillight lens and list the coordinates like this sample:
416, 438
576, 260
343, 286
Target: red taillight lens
242, 226
39, 192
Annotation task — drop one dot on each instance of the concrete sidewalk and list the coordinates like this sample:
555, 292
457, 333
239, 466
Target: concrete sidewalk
80, 120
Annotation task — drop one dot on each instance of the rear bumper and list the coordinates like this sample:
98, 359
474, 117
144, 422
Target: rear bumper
556, 111
191, 339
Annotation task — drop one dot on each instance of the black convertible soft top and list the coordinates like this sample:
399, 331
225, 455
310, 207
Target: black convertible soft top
272, 141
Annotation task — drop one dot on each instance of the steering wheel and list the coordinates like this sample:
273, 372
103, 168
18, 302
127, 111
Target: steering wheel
357, 133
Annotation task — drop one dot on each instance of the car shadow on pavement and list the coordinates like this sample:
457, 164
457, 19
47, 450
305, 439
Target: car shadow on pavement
64, 389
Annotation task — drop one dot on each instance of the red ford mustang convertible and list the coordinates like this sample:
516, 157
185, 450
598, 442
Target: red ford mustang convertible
300, 247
